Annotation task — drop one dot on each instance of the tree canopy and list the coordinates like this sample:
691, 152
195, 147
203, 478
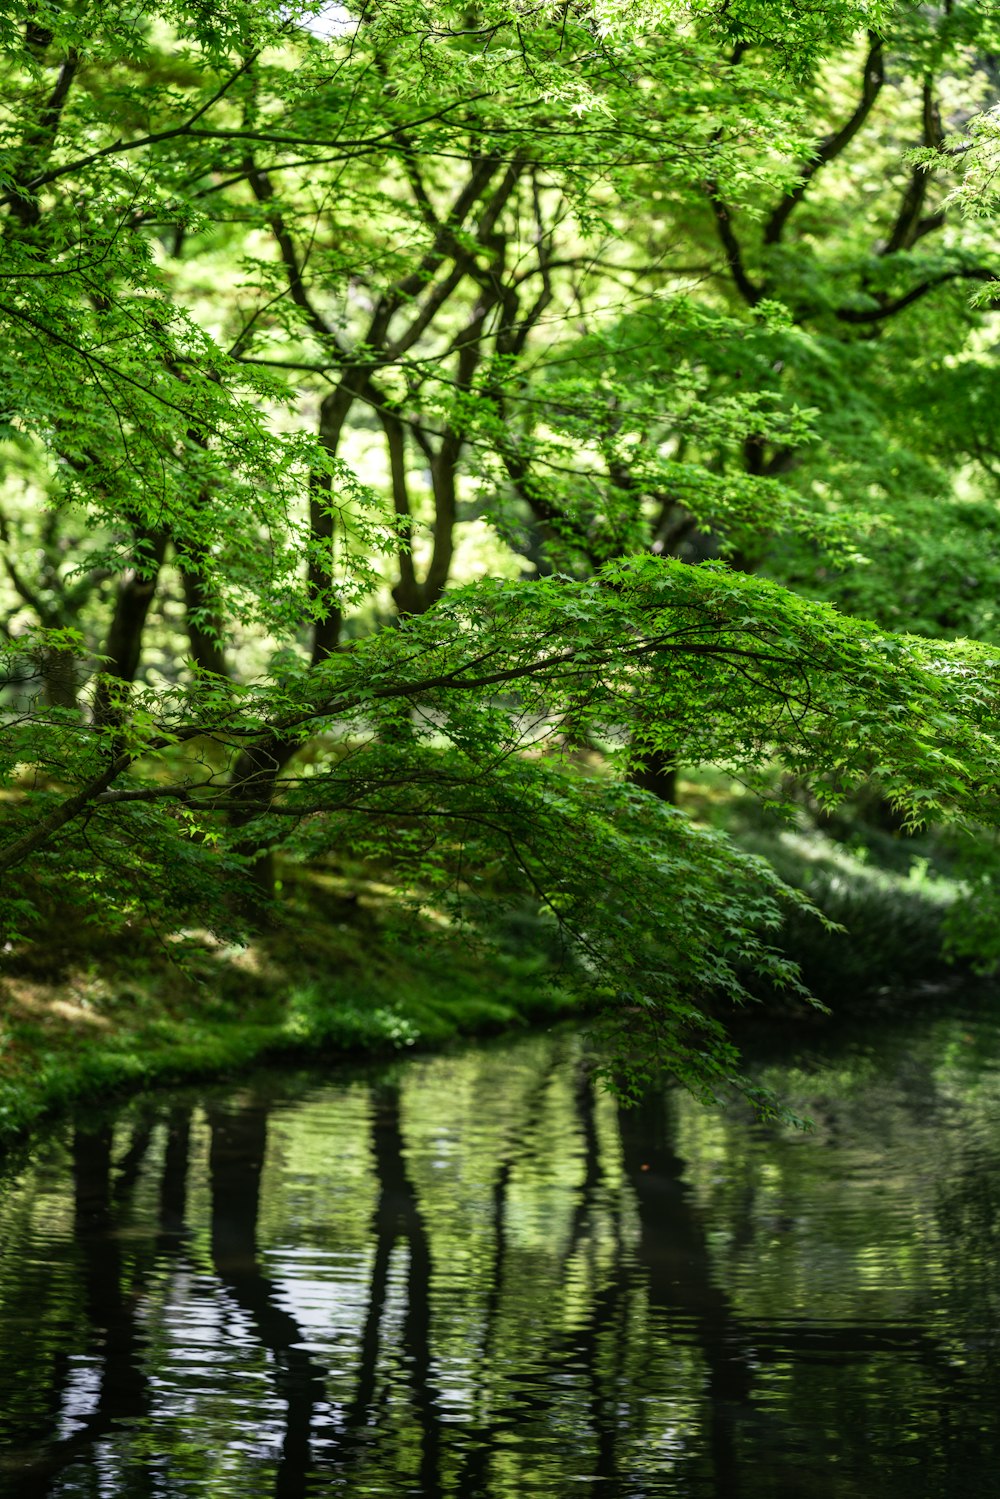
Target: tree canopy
424, 427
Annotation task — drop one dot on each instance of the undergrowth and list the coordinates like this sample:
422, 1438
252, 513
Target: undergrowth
341, 971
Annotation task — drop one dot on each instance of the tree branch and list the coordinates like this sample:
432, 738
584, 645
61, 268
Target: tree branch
21, 848
890, 308
748, 290
872, 80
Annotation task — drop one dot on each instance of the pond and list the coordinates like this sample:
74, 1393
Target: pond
472, 1275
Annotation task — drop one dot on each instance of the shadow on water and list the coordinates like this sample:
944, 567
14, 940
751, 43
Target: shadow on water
521, 1291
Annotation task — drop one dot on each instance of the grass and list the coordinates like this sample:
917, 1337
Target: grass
339, 975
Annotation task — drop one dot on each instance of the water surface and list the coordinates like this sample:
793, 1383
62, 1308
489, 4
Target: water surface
471, 1275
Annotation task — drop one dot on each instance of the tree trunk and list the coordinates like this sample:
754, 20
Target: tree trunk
320, 579
124, 642
659, 777
202, 617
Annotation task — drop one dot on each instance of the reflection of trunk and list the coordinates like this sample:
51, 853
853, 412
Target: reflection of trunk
124, 1390
396, 1215
123, 1381
384, 1228
239, 1140
591, 1159
236, 1160
128, 1167
605, 1335
674, 1254
603, 1330
399, 1214
173, 1184
474, 1476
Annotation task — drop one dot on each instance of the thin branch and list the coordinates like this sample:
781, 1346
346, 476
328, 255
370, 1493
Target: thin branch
347, 149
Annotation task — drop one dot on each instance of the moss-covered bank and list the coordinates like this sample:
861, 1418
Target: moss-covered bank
344, 971
81, 1017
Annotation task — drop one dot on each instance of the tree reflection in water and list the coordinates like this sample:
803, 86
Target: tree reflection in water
472, 1276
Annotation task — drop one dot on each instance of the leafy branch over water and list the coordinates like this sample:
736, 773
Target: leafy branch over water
424, 432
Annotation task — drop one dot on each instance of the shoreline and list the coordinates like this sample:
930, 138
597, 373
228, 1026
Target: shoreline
80, 1022
46, 1085
342, 975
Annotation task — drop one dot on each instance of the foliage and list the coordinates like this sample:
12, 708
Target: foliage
314, 321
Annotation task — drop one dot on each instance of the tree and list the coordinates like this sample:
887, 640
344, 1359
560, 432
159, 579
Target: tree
231, 245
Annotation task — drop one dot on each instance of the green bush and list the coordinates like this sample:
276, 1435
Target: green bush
892, 942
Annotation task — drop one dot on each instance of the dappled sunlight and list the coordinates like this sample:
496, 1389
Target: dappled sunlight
74, 1005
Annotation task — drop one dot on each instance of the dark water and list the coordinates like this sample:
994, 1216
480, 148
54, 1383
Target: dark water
469, 1275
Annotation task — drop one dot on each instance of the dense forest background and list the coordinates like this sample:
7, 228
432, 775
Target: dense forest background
536, 460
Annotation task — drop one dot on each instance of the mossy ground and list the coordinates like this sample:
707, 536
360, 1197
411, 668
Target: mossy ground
339, 972
344, 970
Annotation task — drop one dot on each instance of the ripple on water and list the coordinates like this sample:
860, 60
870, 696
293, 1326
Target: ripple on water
469, 1276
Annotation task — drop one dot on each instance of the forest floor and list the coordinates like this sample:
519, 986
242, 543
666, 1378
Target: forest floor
341, 971
344, 969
